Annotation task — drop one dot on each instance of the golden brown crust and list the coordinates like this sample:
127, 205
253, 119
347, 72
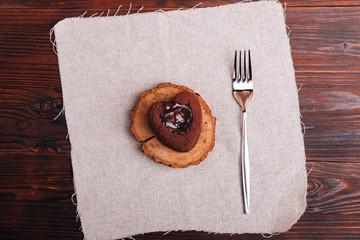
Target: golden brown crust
153, 147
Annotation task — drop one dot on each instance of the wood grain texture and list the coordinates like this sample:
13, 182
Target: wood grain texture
37, 188
35, 168
326, 52
109, 4
326, 70
27, 120
35, 197
334, 188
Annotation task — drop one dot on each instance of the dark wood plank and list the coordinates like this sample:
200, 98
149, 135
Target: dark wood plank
334, 188
27, 120
310, 226
35, 197
39, 220
36, 177
109, 4
326, 52
36, 190
325, 47
36, 182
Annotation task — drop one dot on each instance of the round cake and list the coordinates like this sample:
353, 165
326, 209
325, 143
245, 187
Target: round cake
174, 125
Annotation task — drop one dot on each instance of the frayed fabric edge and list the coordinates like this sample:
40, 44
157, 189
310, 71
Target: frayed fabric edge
264, 235
53, 42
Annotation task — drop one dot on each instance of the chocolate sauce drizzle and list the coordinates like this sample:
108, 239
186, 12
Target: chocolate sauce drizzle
176, 117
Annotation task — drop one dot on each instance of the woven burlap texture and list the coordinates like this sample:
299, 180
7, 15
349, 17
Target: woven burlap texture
106, 62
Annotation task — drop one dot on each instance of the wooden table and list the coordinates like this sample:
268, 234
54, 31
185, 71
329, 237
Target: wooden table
35, 169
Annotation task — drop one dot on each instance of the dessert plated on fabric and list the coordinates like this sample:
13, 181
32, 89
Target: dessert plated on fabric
174, 125
177, 123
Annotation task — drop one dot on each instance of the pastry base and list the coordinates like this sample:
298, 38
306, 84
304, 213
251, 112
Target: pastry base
152, 147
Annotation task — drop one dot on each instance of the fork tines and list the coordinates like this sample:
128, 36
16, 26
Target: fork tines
242, 69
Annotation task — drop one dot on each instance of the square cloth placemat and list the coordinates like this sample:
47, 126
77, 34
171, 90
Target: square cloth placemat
107, 62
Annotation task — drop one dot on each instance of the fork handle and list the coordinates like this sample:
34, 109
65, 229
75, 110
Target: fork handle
245, 167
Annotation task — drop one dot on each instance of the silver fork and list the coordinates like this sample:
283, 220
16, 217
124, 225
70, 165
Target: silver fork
242, 90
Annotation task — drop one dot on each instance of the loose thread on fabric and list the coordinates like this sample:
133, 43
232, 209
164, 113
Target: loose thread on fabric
132, 238
197, 5
129, 9
269, 235
72, 199
287, 27
117, 10
62, 110
246, 1
303, 127
309, 172
284, 13
53, 42
82, 15
77, 216
300, 86
162, 11
302, 124
266, 236
140, 9
67, 136
54, 47
167, 232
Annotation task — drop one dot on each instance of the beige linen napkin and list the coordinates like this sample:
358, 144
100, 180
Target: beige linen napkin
106, 62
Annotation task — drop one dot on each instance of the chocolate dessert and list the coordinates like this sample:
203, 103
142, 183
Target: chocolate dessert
177, 123
174, 125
